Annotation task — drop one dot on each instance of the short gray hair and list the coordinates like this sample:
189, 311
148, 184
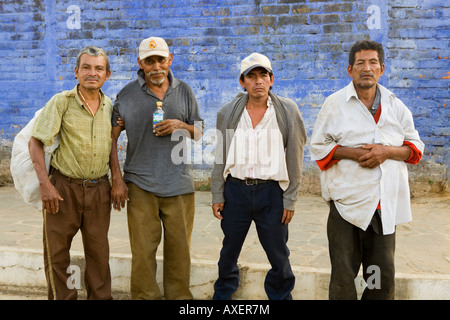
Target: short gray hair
93, 51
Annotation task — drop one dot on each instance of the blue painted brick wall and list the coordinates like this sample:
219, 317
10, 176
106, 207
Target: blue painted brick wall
308, 42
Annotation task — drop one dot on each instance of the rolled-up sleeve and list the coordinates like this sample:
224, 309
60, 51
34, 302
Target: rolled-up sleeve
322, 142
411, 135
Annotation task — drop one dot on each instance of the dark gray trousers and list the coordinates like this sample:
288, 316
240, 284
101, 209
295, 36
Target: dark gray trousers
349, 247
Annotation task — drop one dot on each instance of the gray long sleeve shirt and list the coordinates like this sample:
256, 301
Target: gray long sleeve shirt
291, 125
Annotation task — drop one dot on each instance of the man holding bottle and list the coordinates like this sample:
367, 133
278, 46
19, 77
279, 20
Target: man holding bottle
160, 193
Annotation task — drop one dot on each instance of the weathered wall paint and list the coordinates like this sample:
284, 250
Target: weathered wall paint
308, 42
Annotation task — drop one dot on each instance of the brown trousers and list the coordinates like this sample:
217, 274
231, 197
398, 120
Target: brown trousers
87, 208
148, 216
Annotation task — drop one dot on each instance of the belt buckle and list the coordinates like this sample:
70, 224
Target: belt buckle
85, 181
250, 182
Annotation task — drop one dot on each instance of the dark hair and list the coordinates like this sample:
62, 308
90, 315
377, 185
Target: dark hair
242, 79
366, 45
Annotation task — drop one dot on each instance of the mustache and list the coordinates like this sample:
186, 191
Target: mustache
91, 78
364, 74
151, 73
159, 82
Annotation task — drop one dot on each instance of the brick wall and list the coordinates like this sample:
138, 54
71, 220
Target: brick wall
308, 42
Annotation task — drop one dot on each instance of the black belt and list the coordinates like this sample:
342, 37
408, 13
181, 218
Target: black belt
249, 182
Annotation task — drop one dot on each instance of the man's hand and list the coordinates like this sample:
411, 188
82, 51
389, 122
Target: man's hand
119, 189
119, 194
287, 216
372, 155
121, 123
50, 197
217, 208
168, 126
377, 155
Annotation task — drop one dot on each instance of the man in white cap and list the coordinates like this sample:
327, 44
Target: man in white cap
256, 176
160, 193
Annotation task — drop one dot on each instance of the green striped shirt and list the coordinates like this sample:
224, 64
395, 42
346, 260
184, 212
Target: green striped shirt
85, 144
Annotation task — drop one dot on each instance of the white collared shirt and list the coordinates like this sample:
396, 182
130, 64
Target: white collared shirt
258, 153
356, 191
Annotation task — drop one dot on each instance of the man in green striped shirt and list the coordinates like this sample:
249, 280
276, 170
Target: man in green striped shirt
76, 194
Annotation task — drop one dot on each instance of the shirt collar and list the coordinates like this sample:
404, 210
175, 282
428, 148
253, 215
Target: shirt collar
350, 92
269, 103
74, 93
385, 94
266, 117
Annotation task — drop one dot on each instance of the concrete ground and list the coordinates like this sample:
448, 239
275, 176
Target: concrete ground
422, 252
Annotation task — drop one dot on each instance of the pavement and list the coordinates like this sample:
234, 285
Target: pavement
422, 251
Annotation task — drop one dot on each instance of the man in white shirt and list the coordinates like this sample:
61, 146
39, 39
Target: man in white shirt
256, 177
362, 140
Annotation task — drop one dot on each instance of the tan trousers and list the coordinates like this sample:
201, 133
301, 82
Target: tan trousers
86, 208
148, 216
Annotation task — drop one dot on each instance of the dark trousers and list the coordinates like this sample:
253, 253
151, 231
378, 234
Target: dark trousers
262, 203
349, 247
86, 208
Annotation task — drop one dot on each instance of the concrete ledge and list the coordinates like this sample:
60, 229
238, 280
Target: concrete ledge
24, 268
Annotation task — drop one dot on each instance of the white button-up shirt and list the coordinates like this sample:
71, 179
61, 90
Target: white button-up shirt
356, 191
258, 153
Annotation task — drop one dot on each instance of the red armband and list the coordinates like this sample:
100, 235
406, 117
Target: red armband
327, 162
416, 154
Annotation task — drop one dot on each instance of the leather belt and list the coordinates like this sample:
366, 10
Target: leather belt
87, 182
248, 181
84, 182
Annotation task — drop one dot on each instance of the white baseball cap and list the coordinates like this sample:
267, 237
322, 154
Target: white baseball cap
153, 46
253, 61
